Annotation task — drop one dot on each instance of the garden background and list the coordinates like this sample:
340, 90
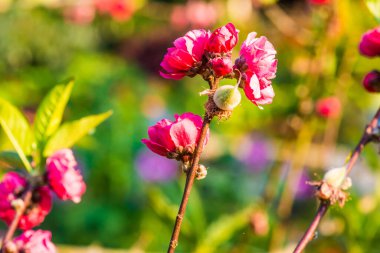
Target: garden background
254, 198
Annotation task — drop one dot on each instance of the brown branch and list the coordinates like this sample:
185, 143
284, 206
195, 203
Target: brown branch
191, 174
323, 207
19, 212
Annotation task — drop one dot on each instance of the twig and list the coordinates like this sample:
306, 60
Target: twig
191, 177
19, 213
323, 207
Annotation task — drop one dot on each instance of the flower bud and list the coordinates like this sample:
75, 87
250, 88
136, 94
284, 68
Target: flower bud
227, 97
336, 177
370, 43
221, 66
371, 81
201, 172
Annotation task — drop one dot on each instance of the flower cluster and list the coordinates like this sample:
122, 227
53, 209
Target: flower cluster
370, 47
209, 54
62, 177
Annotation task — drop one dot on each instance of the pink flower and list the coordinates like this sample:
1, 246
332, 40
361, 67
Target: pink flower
370, 43
223, 39
195, 14
186, 55
12, 187
175, 139
35, 242
81, 12
371, 81
221, 66
64, 177
320, 2
328, 107
120, 10
258, 66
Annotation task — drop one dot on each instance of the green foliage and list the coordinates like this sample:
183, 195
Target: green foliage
50, 112
374, 8
17, 124
48, 134
69, 133
223, 229
9, 159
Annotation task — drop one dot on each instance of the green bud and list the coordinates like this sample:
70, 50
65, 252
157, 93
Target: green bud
337, 178
227, 97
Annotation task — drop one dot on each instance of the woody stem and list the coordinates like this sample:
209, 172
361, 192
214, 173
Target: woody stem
323, 207
190, 177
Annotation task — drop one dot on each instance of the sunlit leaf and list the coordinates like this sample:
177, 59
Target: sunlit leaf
374, 8
49, 113
17, 124
69, 133
15, 144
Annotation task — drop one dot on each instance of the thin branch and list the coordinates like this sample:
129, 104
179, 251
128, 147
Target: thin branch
191, 177
323, 207
16, 220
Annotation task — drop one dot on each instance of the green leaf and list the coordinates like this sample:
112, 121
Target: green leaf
9, 159
50, 112
374, 8
17, 124
16, 145
69, 133
223, 229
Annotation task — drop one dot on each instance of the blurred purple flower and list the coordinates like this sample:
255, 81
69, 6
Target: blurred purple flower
255, 153
154, 168
303, 190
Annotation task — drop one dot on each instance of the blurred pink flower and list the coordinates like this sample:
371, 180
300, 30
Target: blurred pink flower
81, 12
64, 177
328, 107
12, 188
153, 168
370, 43
120, 10
195, 14
258, 66
186, 55
223, 39
371, 81
320, 2
168, 138
35, 242
221, 65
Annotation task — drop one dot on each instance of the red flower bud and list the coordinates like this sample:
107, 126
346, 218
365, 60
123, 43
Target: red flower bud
221, 66
371, 81
370, 43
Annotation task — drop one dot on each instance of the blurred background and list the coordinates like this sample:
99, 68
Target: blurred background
254, 198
